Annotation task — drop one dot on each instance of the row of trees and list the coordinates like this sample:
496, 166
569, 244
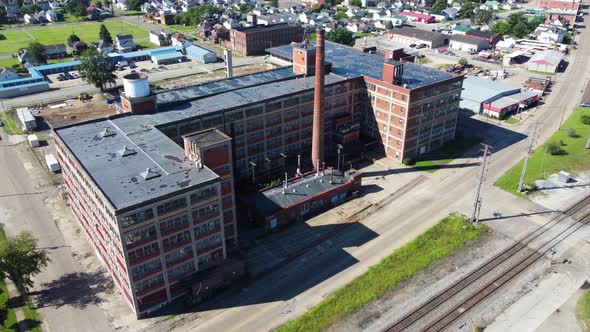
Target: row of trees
196, 15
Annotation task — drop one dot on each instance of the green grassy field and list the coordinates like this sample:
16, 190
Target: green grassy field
576, 157
10, 126
451, 234
584, 310
14, 40
8, 62
87, 32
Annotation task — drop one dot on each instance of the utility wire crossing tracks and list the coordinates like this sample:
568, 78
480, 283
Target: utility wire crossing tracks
446, 308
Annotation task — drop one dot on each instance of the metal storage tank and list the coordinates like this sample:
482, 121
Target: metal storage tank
136, 85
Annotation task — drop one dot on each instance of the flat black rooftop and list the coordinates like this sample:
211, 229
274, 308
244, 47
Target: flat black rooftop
271, 200
351, 62
184, 94
120, 177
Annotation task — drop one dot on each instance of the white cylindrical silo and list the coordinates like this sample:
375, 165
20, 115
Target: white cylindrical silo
136, 85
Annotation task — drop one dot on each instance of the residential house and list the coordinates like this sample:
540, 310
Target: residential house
439, 16
160, 38
451, 12
79, 47
30, 19
104, 47
12, 10
51, 16
355, 12
125, 43
461, 29
549, 33
24, 55
490, 5
54, 5
177, 39
8, 74
56, 51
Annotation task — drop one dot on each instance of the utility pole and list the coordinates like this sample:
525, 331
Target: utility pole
529, 151
477, 203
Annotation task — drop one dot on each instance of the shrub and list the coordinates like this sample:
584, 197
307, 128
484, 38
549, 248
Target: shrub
571, 132
408, 161
586, 119
554, 148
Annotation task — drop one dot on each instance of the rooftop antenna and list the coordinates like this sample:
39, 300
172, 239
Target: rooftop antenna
298, 164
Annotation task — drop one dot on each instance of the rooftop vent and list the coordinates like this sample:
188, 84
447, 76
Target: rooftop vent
149, 174
125, 151
107, 132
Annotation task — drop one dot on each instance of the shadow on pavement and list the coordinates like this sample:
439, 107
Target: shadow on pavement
74, 289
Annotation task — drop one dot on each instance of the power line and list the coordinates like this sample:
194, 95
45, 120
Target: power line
477, 203
529, 151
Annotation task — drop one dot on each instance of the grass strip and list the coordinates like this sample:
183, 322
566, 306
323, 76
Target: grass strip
449, 235
575, 156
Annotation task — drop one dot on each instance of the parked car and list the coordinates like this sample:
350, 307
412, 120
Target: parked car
412, 45
75, 75
421, 46
132, 65
584, 105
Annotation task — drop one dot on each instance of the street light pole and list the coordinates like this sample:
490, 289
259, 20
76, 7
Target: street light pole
253, 175
339, 148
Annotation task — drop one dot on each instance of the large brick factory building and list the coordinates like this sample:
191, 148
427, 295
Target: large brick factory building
153, 187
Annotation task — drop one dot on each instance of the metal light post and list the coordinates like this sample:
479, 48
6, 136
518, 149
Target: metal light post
268, 162
253, 175
284, 160
340, 147
298, 164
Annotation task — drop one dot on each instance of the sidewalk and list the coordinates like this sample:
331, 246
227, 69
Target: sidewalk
20, 316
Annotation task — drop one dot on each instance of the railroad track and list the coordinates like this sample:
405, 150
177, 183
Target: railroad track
577, 211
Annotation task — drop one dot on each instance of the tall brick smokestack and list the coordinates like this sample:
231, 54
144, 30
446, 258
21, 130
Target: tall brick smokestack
317, 145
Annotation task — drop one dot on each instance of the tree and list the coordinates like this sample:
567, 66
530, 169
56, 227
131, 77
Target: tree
317, 7
77, 7
98, 70
340, 16
37, 51
483, 17
438, 6
134, 4
104, 34
520, 30
501, 28
341, 36
389, 25
21, 260
467, 10
356, 3
90, 51
196, 15
274, 3
463, 62
246, 8
72, 39
3, 15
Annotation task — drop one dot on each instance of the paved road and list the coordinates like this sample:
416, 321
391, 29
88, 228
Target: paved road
22, 208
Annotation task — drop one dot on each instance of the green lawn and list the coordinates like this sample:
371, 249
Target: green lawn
584, 310
145, 44
14, 40
8, 63
451, 234
132, 13
72, 19
541, 165
512, 120
7, 314
10, 126
87, 32
363, 34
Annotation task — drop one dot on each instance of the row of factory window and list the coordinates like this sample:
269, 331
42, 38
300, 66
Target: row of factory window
170, 224
197, 197
186, 268
149, 267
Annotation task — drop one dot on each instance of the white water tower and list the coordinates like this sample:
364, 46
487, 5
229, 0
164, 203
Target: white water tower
136, 85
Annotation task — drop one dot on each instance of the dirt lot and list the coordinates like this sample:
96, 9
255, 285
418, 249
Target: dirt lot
200, 78
74, 111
